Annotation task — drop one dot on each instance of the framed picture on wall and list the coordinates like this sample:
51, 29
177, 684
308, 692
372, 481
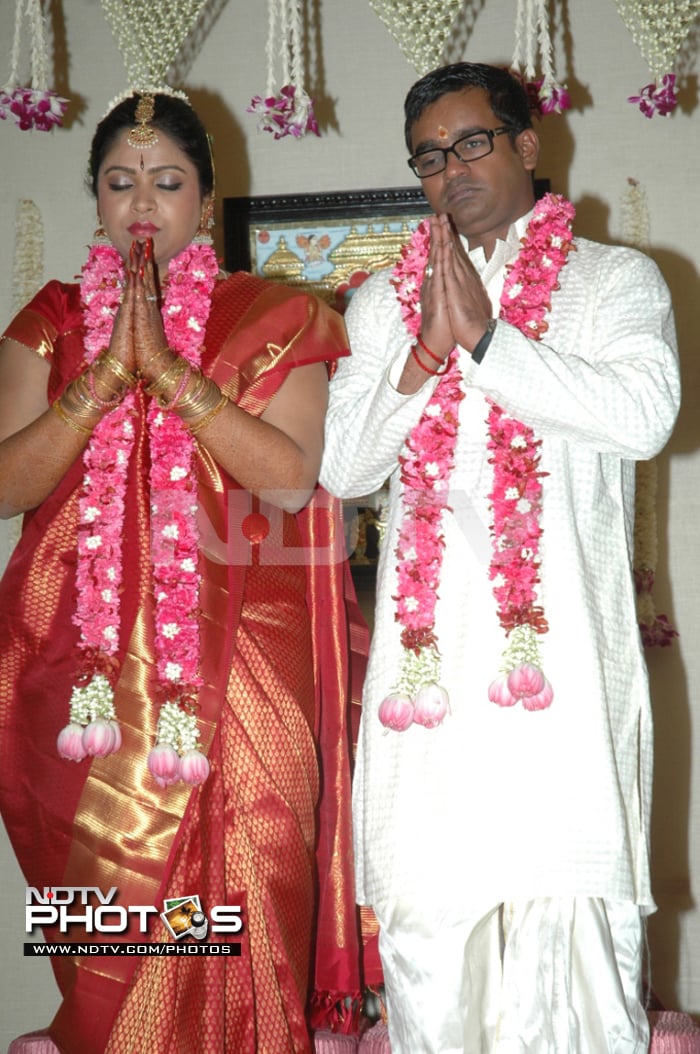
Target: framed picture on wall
329, 242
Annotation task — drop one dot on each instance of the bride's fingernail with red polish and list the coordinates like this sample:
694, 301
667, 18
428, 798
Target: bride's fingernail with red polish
149, 249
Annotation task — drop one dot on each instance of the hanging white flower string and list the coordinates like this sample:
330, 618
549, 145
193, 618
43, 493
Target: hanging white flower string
291, 111
150, 38
532, 31
27, 279
421, 28
36, 106
28, 266
658, 29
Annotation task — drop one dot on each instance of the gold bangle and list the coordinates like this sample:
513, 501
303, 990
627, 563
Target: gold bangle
80, 388
117, 368
105, 404
199, 425
160, 384
173, 400
141, 372
60, 412
198, 398
76, 400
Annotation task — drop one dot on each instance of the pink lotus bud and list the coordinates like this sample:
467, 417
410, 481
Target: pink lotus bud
396, 712
540, 701
525, 680
164, 765
114, 725
99, 738
499, 692
194, 767
432, 703
70, 742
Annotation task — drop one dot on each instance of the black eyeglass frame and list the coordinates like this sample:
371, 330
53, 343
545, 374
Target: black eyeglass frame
445, 150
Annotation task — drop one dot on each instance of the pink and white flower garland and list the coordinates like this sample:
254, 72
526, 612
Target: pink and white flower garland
93, 728
516, 497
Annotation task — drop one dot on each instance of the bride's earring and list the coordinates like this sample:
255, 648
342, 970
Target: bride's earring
206, 223
100, 236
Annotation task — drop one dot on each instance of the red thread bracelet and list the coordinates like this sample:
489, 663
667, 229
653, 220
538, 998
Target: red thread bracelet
426, 349
433, 373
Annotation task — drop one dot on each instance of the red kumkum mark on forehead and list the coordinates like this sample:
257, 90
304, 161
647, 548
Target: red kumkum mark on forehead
442, 132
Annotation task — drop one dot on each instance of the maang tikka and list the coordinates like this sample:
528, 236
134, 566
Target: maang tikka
143, 136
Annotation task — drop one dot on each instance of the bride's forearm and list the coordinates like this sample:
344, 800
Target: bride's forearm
34, 460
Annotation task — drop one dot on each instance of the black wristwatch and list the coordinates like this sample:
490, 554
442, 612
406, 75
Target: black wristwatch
481, 348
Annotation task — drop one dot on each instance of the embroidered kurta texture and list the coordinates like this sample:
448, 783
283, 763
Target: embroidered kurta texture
501, 803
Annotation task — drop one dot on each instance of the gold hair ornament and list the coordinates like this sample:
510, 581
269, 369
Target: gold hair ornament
143, 136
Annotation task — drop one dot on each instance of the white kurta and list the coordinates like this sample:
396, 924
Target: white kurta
500, 804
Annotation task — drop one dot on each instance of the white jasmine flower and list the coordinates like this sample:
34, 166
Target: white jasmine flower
173, 671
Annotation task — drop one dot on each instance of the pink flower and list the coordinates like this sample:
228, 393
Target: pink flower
525, 680
499, 692
652, 100
660, 632
541, 700
164, 765
194, 767
32, 108
289, 113
100, 738
70, 742
553, 99
432, 703
396, 712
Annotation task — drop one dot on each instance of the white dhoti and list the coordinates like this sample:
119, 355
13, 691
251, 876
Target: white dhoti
547, 976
